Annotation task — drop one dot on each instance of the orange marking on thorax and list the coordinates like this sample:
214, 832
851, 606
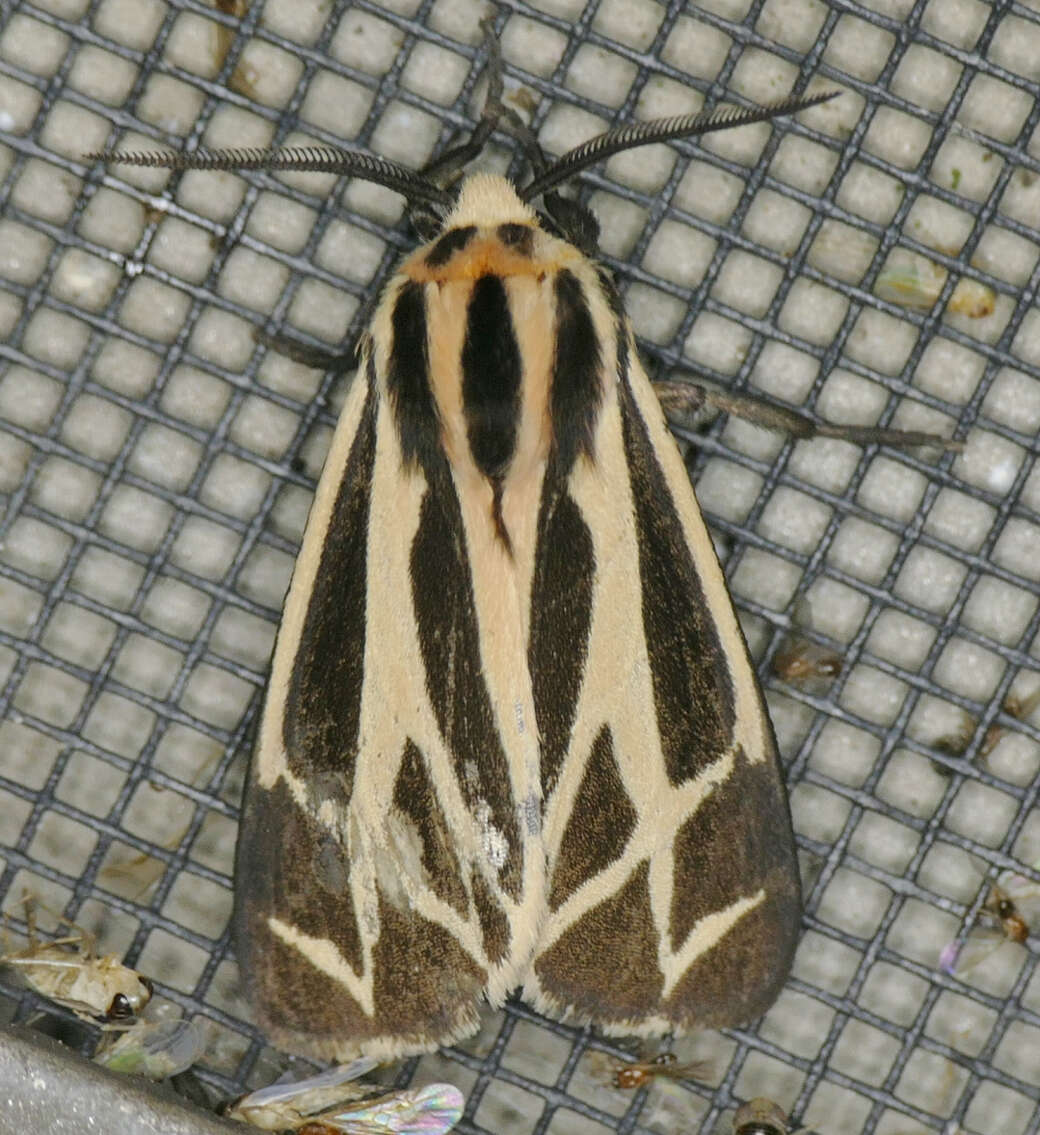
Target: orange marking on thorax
488, 256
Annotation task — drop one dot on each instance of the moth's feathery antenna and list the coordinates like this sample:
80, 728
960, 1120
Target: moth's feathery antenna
299, 159
663, 130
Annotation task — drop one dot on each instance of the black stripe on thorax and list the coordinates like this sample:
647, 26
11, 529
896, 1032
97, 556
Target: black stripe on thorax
491, 373
455, 240
577, 362
408, 379
518, 237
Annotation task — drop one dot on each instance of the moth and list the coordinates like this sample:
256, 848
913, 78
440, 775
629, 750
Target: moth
1011, 909
640, 1073
69, 972
154, 1049
316, 1106
512, 736
760, 1116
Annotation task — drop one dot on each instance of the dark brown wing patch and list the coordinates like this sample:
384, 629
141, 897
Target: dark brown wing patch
739, 842
494, 922
425, 984
282, 885
604, 967
415, 796
561, 616
741, 977
735, 860
693, 696
408, 379
281, 852
599, 826
576, 386
442, 597
322, 709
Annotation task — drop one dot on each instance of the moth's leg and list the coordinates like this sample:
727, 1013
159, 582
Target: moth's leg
30, 919
689, 403
82, 938
445, 168
575, 221
307, 354
79, 937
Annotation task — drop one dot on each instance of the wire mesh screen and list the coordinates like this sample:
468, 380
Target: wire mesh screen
875, 260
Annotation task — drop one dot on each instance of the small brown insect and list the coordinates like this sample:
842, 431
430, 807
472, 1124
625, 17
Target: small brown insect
957, 744
1001, 906
760, 1116
94, 988
799, 660
1011, 906
641, 1072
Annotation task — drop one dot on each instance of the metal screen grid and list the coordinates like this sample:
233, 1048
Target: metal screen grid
158, 467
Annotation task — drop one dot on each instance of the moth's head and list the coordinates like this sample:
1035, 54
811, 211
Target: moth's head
488, 199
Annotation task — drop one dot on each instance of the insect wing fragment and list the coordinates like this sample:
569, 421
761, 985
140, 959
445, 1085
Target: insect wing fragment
960, 957
915, 282
1013, 909
155, 1049
288, 1104
422, 1111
